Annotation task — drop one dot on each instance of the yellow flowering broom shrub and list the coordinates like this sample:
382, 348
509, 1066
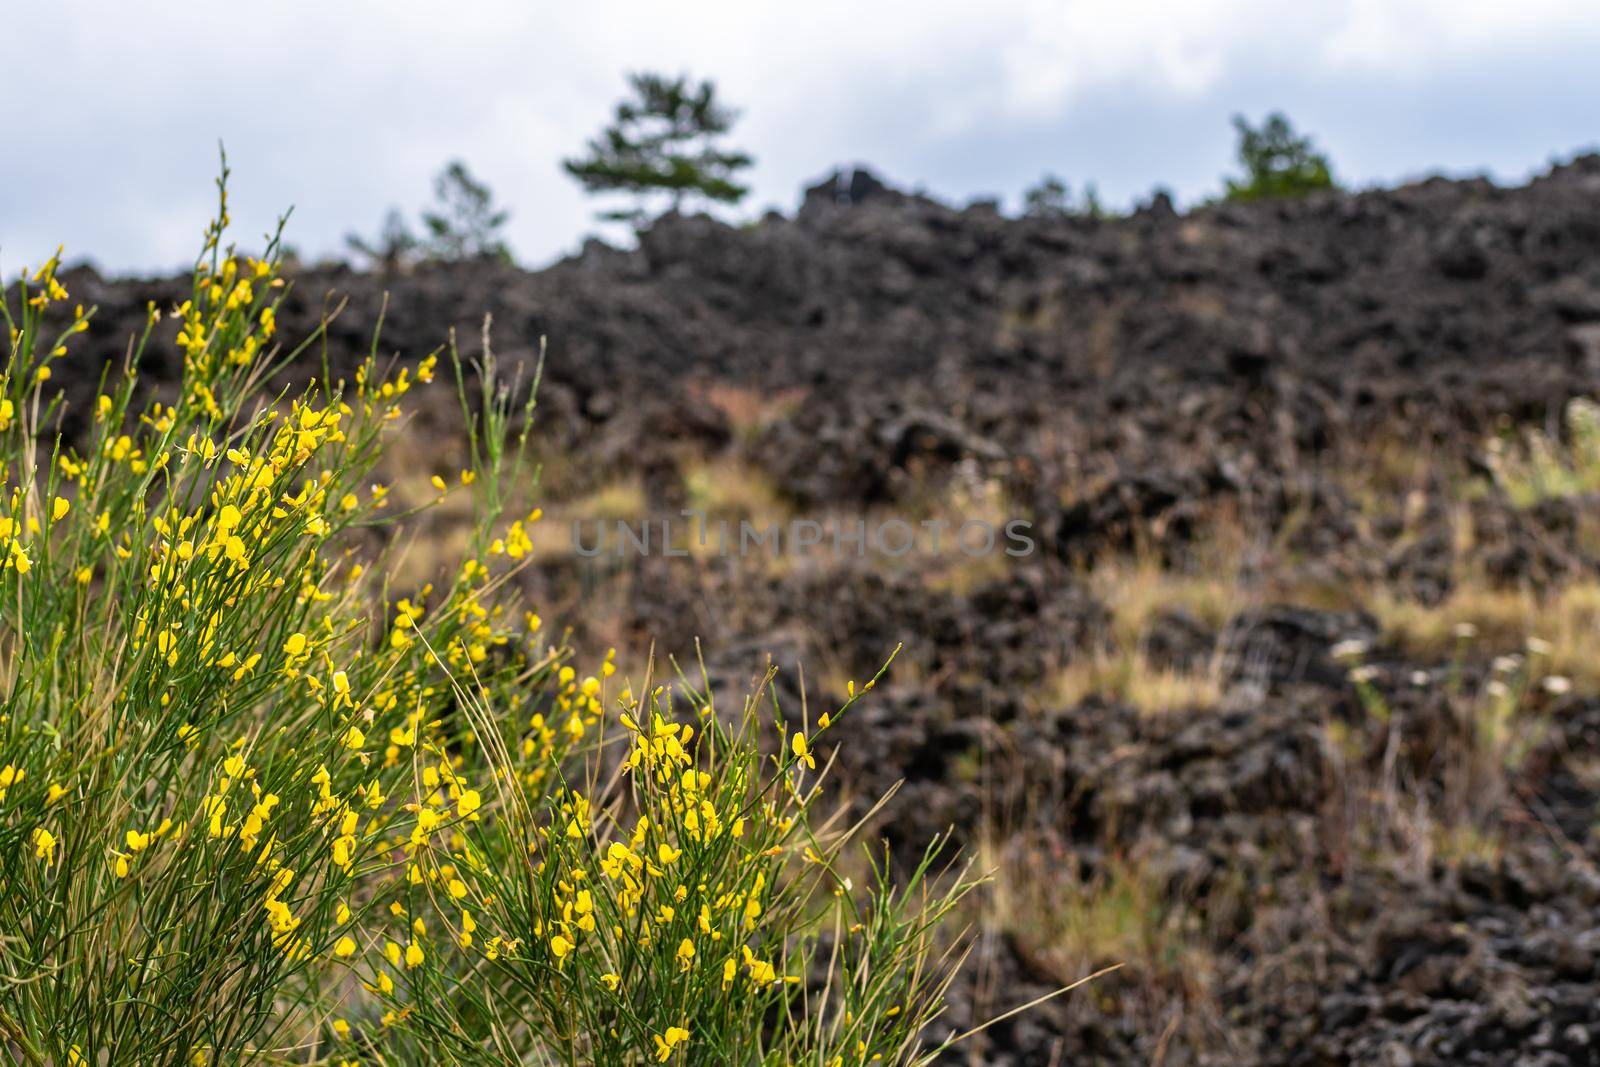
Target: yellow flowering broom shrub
259, 805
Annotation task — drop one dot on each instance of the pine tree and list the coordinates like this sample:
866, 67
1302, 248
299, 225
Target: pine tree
664, 140
1277, 162
392, 249
466, 223
1050, 199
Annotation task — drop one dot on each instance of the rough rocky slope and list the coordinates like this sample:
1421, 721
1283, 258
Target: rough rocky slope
1285, 405
1452, 302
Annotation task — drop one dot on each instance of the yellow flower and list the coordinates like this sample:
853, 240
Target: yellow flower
802, 751
761, 972
341, 685
685, 954
413, 955
344, 947
354, 739
59, 508
611, 981
468, 803
44, 845
560, 947
667, 1042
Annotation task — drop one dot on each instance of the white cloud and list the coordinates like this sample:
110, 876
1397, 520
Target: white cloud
1410, 40
1059, 51
345, 109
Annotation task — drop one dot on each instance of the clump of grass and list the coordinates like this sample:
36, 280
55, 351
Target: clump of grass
1212, 585
1128, 676
1117, 915
1060, 923
259, 802
1504, 717
1563, 621
727, 488
1538, 466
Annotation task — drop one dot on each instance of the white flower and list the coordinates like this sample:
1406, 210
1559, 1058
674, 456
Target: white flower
1420, 678
1506, 664
1465, 631
1497, 689
1537, 646
1348, 649
1556, 685
1363, 674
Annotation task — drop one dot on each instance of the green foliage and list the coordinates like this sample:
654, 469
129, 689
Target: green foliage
1540, 466
1048, 199
394, 247
1277, 162
257, 806
464, 224
664, 140
1052, 198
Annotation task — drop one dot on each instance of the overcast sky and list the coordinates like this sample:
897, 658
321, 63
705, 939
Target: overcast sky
343, 108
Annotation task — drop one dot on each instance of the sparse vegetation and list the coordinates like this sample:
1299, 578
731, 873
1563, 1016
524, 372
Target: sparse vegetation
1503, 717
1534, 466
1564, 622
1052, 199
1140, 590
1129, 676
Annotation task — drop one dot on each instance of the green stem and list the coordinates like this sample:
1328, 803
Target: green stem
14, 1032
